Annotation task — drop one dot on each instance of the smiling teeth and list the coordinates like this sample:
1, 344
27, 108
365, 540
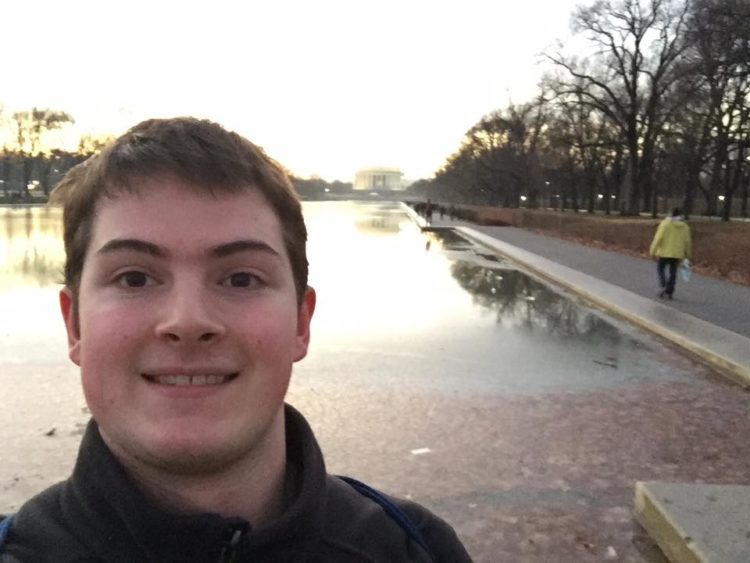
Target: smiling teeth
184, 380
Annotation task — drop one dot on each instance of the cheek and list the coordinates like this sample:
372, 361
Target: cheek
104, 325
97, 393
274, 337
105, 341
107, 355
269, 346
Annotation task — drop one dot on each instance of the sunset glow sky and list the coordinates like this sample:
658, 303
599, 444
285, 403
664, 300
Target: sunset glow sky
326, 87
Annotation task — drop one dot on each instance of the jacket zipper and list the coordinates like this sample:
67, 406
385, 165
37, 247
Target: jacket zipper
229, 551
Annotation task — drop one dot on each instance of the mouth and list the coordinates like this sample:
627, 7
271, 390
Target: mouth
182, 380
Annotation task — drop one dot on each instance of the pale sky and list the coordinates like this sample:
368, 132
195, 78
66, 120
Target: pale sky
325, 86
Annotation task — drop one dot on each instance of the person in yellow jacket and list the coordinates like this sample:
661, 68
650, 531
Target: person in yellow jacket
671, 245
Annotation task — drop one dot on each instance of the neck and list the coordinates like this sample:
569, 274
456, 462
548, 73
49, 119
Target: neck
252, 488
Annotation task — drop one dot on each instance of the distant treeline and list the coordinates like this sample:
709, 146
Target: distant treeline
655, 108
30, 178
32, 161
317, 188
27, 178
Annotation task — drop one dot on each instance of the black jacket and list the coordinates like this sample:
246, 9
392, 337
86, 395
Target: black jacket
99, 515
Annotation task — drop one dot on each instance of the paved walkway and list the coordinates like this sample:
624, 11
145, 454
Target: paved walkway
708, 316
718, 302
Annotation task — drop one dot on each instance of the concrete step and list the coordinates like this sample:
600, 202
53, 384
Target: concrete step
696, 523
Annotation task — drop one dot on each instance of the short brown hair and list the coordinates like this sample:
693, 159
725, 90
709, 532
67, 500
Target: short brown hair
198, 152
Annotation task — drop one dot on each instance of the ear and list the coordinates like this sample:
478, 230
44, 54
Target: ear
69, 309
306, 310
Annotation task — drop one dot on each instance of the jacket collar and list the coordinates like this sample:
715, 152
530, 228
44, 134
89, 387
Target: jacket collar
122, 523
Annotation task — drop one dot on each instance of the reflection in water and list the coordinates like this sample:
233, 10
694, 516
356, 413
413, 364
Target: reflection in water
380, 220
519, 300
31, 247
450, 239
45, 270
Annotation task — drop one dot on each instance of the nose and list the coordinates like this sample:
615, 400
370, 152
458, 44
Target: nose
189, 318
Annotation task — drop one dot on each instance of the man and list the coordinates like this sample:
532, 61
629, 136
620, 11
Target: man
671, 244
186, 303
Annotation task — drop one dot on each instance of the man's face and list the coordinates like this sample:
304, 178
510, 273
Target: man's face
188, 326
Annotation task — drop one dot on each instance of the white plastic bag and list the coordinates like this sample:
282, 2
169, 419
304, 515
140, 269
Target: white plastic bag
687, 269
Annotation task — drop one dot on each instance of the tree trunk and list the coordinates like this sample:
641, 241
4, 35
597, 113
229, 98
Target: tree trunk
45, 167
606, 189
732, 183
27, 166
645, 181
726, 210
690, 186
7, 161
628, 189
631, 183
591, 191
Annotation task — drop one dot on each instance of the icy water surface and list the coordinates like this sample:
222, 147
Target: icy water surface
437, 371
398, 307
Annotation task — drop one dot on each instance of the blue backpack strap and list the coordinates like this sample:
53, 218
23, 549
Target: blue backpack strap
401, 518
5, 525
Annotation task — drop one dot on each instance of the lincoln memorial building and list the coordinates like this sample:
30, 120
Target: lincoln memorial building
378, 179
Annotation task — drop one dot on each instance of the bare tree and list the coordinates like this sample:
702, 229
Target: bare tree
89, 144
657, 109
498, 157
582, 139
637, 44
719, 33
31, 126
5, 155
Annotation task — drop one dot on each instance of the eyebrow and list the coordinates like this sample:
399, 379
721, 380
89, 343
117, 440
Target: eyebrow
219, 251
237, 246
135, 244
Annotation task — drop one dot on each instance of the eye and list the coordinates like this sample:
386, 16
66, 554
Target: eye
133, 279
242, 279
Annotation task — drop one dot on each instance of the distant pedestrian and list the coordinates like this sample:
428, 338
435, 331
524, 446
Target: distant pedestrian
671, 244
429, 209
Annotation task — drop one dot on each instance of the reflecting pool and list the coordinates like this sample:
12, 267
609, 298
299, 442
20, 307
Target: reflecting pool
398, 311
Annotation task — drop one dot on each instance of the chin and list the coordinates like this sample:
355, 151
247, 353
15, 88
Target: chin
187, 447
180, 452
193, 454
194, 461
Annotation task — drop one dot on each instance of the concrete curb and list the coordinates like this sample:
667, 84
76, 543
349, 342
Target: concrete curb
663, 530
725, 350
696, 523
